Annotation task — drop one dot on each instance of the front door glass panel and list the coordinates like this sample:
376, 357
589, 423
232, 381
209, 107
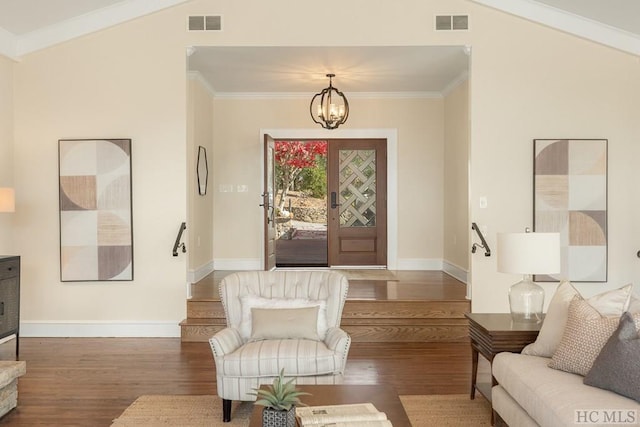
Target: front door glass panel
357, 186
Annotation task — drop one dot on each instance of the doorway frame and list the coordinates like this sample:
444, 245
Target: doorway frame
391, 135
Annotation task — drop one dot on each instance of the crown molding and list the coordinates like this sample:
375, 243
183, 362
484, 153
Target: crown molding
85, 24
462, 77
569, 23
7, 44
197, 76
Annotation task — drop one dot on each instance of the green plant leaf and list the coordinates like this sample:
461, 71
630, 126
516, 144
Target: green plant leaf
282, 395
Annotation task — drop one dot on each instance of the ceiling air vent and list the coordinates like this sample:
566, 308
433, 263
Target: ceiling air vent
205, 23
452, 22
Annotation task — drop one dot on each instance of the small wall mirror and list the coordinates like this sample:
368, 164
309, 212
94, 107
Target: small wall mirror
202, 170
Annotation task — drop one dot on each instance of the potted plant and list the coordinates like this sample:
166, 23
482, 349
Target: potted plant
279, 401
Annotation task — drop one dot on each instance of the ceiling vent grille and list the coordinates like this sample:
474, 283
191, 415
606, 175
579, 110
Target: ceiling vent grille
452, 22
205, 23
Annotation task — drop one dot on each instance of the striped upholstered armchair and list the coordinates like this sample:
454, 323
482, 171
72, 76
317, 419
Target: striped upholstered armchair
279, 320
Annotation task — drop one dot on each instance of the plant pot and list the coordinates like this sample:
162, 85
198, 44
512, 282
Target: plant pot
275, 418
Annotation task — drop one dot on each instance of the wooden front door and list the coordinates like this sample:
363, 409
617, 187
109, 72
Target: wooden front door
357, 202
268, 204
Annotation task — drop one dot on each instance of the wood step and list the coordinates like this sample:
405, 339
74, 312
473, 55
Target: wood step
364, 320
205, 309
353, 309
200, 330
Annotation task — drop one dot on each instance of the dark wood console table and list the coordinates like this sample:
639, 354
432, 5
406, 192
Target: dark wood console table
10, 298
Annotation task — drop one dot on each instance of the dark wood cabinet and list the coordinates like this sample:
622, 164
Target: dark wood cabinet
10, 298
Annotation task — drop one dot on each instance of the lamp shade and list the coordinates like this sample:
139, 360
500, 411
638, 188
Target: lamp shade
529, 253
7, 200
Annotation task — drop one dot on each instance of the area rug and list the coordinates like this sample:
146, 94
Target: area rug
195, 411
449, 410
368, 275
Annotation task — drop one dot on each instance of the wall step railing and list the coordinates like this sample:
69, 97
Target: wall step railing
178, 244
484, 245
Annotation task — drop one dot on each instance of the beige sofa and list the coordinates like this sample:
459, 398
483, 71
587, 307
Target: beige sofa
582, 340
529, 393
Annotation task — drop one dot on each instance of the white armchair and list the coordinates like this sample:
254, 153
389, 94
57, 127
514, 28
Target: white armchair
257, 344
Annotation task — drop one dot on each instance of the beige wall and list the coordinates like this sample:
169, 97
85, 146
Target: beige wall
129, 81
118, 83
200, 224
456, 177
6, 150
541, 83
237, 217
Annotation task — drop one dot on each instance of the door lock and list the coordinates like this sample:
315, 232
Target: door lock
334, 203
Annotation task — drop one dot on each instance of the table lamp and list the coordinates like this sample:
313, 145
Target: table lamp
7, 200
528, 254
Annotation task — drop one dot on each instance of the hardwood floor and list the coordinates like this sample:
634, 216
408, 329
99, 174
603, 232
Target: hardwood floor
90, 381
370, 284
301, 252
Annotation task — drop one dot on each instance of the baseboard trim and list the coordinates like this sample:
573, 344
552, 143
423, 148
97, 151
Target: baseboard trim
160, 329
238, 264
200, 273
455, 271
419, 264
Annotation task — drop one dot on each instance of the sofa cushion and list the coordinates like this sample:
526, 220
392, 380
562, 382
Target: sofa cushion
510, 411
249, 302
284, 323
267, 358
549, 396
616, 368
609, 303
584, 336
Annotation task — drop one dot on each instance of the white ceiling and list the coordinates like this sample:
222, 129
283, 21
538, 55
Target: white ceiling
30, 25
622, 14
20, 17
303, 69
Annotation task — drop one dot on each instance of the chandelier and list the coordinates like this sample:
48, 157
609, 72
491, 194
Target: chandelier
330, 107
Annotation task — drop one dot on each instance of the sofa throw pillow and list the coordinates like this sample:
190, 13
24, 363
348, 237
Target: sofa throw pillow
609, 303
554, 321
634, 305
584, 336
284, 323
616, 368
247, 302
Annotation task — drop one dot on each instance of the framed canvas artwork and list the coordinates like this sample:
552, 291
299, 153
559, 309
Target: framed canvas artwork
96, 229
570, 197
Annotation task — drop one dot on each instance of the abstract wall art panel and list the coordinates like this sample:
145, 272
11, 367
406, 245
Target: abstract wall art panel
96, 229
570, 197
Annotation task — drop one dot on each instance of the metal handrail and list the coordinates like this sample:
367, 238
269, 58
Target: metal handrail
484, 245
177, 244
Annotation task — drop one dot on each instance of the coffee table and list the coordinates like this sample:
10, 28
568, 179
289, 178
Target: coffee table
384, 398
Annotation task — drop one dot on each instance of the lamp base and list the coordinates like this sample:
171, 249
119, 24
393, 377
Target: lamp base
526, 299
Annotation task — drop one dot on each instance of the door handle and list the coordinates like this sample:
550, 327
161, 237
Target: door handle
265, 197
334, 203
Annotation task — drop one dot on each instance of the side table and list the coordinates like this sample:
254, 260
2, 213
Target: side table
492, 333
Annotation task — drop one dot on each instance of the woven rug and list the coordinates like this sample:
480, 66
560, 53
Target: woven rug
195, 411
368, 275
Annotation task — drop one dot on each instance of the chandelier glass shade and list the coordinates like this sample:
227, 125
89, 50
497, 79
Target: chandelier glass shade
330, 107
